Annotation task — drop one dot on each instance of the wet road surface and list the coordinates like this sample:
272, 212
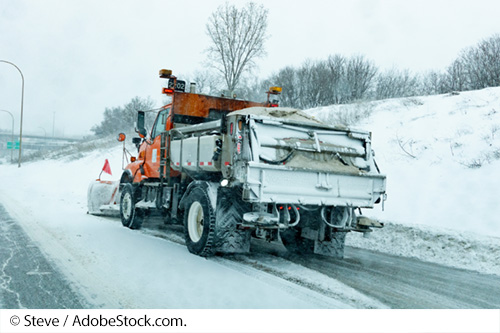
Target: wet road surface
401, 282
27, 279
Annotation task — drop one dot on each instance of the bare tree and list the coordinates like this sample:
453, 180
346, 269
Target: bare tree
287, 78
337, 80
456, 76
122, 118
337, 67
397, 83
359, 76
476, 67
434, 83
238, 37
206, 81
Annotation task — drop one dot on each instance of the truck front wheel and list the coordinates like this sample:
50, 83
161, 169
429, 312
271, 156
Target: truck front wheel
199, 223
131, 216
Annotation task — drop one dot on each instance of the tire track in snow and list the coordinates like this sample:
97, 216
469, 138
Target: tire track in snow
296, 279
402, 282
365, 278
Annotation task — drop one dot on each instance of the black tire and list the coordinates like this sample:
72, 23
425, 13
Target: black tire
294, 242
199, 223
131, 216
230, 210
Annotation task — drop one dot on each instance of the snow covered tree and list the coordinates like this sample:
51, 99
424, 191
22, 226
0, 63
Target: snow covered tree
238, 37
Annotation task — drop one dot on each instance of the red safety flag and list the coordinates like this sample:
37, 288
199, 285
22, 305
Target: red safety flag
106, 168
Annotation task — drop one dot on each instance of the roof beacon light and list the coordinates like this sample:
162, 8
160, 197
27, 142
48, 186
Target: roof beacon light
275, 90
165, 73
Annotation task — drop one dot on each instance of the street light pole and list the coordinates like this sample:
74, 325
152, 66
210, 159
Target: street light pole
22, 104
11, 135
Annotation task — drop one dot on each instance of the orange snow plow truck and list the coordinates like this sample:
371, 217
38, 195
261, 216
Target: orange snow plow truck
229, 169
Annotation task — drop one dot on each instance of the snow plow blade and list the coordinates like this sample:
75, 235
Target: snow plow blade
103, 198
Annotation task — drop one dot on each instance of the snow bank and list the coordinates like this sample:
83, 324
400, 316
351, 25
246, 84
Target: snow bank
442, 246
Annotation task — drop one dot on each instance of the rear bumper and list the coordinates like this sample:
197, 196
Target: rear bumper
277, 184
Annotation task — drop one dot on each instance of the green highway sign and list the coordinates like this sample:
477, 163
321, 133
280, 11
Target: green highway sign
12, 144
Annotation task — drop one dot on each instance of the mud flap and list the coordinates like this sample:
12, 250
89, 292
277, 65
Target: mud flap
332, 248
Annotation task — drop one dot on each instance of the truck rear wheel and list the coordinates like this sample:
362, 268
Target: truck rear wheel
230, 210
131, 216
199, 223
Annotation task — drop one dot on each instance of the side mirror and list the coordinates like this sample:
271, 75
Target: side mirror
140, 124
121, 137
137, 142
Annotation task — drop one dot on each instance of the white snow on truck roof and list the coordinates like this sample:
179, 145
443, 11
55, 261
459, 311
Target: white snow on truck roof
280, 112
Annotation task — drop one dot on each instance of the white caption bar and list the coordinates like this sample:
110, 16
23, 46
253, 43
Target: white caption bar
220, 321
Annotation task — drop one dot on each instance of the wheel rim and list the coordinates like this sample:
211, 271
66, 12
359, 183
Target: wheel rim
127, 206
195, 221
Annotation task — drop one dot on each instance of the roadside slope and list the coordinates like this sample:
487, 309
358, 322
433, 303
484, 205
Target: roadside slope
441, 155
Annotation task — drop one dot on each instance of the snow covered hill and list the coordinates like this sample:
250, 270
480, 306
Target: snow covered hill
441, 155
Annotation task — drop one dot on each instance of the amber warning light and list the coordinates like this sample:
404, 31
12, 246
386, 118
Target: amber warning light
121, 137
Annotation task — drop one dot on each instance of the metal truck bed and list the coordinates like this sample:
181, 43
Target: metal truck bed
277, 184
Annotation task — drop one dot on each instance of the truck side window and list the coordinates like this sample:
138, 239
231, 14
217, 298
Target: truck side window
160, 123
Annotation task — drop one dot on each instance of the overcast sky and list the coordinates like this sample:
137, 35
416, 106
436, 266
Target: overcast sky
79, 57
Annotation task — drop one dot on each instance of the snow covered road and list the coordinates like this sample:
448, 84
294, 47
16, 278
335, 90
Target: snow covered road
114, 267
269, 277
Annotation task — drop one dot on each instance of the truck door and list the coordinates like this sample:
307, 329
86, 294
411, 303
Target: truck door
152, 163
